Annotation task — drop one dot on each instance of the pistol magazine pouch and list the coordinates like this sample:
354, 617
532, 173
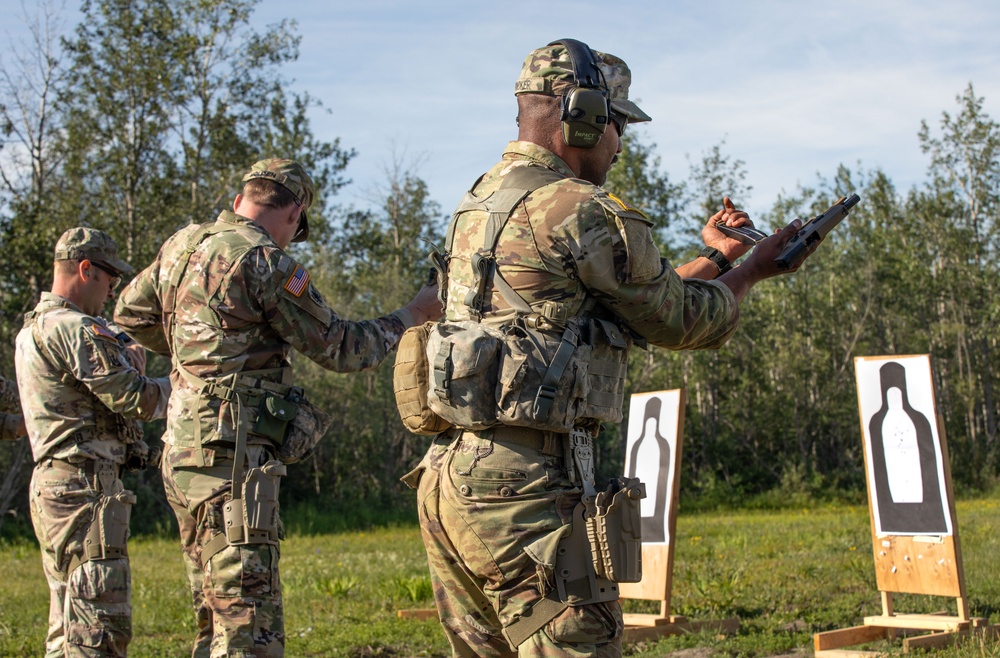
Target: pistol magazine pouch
253, 518
305, 429
273, 417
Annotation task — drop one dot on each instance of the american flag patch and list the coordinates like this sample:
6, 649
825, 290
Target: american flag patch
298, 281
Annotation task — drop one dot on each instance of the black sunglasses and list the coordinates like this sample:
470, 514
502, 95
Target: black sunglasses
620, 121
116, 278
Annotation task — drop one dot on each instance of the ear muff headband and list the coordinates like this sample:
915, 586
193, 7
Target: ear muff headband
585, 107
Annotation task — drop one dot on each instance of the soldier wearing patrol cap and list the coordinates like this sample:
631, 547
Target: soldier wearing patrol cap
229, 305
562, 275
83, 392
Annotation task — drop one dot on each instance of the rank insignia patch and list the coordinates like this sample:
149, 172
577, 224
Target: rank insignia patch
298, 282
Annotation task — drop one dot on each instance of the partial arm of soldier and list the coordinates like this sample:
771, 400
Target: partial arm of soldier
136, 355
703, 268
297, 311
615, 259
140, 314
760, 265
98, 362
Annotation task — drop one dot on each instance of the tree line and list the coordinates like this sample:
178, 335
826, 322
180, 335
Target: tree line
143, 117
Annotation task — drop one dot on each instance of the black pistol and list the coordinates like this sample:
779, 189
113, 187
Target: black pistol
813, 231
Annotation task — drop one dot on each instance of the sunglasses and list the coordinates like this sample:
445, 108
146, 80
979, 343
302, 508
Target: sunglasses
116, 278
620, 121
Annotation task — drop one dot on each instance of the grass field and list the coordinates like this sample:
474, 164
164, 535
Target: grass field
786, 575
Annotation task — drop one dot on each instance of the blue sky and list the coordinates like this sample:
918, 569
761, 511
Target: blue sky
794, 88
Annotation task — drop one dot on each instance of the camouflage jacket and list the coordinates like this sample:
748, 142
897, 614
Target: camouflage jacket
77, 389
242, 304
10, 409
570, 239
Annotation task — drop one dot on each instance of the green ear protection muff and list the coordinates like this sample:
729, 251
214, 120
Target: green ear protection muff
585, 108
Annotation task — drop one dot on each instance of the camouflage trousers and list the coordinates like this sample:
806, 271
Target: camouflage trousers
491, 515
236, 592
90, 608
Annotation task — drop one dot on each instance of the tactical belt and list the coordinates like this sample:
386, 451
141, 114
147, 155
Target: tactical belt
547, 443
88, 467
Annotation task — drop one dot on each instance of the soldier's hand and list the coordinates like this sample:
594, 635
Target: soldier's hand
22, 429
136, 355
713, 237
425, 305
761, 261
760, 264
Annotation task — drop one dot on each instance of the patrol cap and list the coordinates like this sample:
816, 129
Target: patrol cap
291, 176
88, 243
549, 71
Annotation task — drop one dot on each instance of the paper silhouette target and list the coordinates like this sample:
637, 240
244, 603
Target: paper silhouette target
652, 454
906, 475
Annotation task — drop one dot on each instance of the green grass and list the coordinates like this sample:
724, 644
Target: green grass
784, 574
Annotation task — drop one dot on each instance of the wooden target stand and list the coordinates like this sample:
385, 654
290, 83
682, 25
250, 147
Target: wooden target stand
913, 564
658, 559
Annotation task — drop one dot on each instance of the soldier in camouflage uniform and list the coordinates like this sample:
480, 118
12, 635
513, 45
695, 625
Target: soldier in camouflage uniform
11, 420
83, 393
494, 503
229, 305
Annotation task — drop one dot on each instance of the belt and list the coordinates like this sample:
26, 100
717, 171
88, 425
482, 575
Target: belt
545, 442
87, 466
90, 469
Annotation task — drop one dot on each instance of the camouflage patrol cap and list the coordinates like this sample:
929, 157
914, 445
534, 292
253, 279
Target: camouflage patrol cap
549, 71
88, 243
291, 176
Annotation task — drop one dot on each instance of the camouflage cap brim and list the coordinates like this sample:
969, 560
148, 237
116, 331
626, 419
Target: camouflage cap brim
631, 110
117, 264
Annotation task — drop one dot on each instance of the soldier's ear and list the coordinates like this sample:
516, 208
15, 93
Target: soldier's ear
236, 202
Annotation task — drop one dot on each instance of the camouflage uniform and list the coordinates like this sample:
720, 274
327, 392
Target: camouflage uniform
242, 306
10, 410
494, 503
79, 394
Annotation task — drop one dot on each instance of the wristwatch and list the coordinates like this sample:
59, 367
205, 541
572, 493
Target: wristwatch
717, 257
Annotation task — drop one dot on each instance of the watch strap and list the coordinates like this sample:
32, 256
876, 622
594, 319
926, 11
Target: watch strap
717, 257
